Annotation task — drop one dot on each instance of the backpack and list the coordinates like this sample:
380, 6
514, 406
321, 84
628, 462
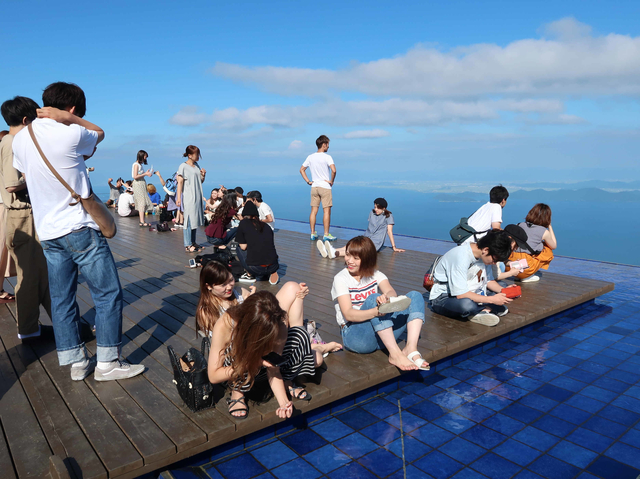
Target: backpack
429, 279
460, 232
171, 185
164, 226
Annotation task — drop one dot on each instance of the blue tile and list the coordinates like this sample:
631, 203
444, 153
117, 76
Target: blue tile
568, 384
619, 415
357, 418
538, 402
432, 435
594, 367
297, 468
571, 414
554, 392
483, 382
624, 376
632, 438
469, 474
526, 383
466, 390
627, 402
259, 437
611, 384
380, 408
381, 432
585, 403
409, 421
412, 473
274, 454
366, 394
516, 452
536, 438
428, 391
495, 467
240, 467
503, 424
521, 413
573, 454
554, 425
382, 462
355, 445
352, 471
624, 453
446, 383
427, 410
552, 468
332, 429
454, 422
447, 400
527, 475
303, 442
475, 412
342, 404
406, 401
493, 401
589, 439
599, 393
499, 374
604, 426
462, 451
438, 465
327, 458
510, 392
413, 449
610, 469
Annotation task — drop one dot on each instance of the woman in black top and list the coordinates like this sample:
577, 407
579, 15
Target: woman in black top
257, 253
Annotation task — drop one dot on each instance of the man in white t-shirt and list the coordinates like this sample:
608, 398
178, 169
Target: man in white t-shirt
126, 204
323, 175
264, 210
489, 215
70, 238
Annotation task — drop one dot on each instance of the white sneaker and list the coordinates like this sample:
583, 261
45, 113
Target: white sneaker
321, 247
395, 304
331, 251
245, 278
79, 373
485, 318
118, 370
530, 279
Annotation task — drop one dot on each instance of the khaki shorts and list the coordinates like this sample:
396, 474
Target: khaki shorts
321, 194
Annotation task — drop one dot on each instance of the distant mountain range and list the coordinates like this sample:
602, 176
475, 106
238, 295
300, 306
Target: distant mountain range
601, 184
543, 196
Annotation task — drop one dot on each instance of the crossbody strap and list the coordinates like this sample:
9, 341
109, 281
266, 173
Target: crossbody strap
75, 195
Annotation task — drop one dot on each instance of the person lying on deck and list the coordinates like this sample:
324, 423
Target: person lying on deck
257, 326
460, 289
372, 320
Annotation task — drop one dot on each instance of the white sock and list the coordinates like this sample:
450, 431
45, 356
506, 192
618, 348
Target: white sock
104, 364
81, 364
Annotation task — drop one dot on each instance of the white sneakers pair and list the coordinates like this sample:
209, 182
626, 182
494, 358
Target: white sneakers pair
487, 318
326, 249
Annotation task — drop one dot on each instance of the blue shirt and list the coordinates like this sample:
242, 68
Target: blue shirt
155, 198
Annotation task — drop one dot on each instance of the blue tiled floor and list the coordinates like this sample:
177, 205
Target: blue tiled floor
561, 400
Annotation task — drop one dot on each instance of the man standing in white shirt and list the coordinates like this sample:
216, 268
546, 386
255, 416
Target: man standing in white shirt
71, 239
323, 174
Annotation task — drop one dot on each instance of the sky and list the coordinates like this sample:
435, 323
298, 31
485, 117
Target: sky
457, 91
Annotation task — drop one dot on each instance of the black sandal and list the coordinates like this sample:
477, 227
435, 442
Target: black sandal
191, 249
303, 394
143, 224
242, 401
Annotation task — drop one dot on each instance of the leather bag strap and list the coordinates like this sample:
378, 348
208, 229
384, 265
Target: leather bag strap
75, 195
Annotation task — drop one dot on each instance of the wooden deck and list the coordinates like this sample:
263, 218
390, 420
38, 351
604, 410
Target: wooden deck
128, 428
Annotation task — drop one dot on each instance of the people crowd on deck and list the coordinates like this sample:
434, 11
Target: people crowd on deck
47, 239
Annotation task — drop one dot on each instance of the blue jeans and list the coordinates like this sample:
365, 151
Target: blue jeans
457, 308
363, 338
189, 234
261, 273
231, 233
87, 251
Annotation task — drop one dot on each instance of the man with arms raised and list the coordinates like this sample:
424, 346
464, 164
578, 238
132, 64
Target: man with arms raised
71, 240
323, 174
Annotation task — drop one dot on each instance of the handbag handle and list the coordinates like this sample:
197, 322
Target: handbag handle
75, 195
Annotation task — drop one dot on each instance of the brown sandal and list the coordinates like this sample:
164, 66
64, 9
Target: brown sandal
6, 297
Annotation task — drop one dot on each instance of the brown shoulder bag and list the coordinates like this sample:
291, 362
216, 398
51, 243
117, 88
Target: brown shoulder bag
92, 205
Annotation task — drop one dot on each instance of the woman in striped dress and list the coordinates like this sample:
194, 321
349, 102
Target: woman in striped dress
260, 325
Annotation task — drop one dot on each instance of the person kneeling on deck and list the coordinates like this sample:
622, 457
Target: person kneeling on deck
261, 328
460, 289
370, 320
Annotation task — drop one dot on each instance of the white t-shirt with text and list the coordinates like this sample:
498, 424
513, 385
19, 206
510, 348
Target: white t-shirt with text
318, 164
64, 146
358, 291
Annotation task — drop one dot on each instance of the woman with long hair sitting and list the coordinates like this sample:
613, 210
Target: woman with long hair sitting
540, 237
263, 325
370, 313
217, 233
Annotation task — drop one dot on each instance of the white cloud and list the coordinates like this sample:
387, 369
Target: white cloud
188, 116
296, 145
352, 135
568, 60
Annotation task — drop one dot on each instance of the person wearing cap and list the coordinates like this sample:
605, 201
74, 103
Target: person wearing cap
126, 203
380, 225
500, 271
460, 288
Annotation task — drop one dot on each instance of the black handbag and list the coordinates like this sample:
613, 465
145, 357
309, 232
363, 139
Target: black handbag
191, 378
460, 232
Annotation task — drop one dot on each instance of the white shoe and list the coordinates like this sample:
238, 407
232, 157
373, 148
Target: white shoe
530, 279
506, 310
485, 318
246, 278
321, 248
395, 304
331, 251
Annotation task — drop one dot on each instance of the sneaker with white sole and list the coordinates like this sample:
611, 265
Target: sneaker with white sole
79, 373
118, 370
245, 278
329, 237
395, 304
530, 279
321, 247
502, 313
331, 251
485, 318
314, 236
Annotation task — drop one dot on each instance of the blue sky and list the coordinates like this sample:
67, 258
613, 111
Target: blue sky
427, 91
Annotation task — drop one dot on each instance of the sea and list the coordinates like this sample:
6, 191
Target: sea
584, 229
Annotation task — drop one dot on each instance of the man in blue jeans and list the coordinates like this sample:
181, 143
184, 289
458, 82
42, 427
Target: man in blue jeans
71, 240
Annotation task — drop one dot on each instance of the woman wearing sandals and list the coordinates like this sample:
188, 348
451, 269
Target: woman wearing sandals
140, 195
261, 325
189, 195
370, 320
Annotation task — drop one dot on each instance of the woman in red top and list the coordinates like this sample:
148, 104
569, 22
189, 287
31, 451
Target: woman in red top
217, 233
